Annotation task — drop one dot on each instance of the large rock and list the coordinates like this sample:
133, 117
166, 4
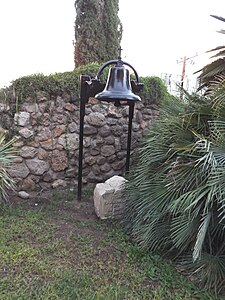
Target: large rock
108, 200
37, 166
18, 170
73, 127
44, 134
104, 131
59, 160
28, 152
69, 141
96, 119
58, 130
90, 130
69, 107
22, 118
48, 144
26, 133
28, 184
107, 150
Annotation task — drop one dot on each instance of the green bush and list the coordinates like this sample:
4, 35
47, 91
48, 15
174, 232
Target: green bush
53, 84
175, 195
154, 91
68, 83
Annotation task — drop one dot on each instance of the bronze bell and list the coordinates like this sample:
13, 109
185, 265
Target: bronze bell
118, 87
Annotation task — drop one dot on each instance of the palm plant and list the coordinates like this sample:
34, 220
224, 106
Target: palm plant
7, 153
216, 67
175, 196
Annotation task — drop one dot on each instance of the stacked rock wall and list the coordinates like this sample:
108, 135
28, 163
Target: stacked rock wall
48, 139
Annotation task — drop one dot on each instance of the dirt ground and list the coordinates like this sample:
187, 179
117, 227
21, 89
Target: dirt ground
61, 200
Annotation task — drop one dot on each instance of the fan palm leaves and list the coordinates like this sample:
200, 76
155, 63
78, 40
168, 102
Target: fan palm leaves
216, 67
7, 153
175, 196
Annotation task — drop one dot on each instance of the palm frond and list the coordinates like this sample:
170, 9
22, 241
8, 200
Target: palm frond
221, 31
203, 228
216, 49
213, 69
7, 153
6, 183
218, 18
183, 232
219, 54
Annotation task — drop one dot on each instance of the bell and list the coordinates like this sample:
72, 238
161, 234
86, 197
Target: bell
118, 87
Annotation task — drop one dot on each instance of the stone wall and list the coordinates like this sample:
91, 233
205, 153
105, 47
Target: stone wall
48, 139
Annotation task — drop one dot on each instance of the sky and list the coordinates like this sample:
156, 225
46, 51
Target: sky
37, 36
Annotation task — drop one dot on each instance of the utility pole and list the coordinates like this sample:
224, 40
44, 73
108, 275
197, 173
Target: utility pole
184, 62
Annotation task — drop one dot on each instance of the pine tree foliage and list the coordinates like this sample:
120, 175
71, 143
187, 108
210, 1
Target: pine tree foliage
98, 31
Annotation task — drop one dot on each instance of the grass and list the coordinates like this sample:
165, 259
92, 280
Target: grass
54, 248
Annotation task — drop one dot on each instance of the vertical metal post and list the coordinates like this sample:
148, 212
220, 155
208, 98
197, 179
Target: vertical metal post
131, 114
83, 100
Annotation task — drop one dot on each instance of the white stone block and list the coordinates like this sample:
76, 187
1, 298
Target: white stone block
116, 182
108, 200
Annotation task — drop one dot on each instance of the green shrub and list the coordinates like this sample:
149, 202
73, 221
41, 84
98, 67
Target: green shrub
175, 195
68, 83
154, 91
53, 84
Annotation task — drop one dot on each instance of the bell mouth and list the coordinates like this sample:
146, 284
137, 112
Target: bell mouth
109, 96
